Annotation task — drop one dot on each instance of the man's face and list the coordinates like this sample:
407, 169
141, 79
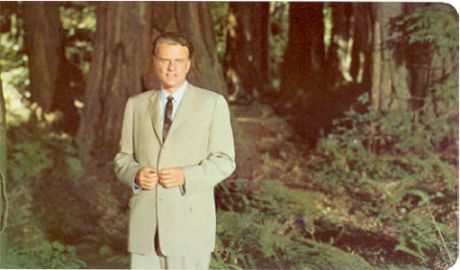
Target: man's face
172, 64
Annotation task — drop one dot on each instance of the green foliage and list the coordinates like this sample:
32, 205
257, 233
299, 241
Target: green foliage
45, 255
79, 24
271, 232
219, 13
41, 160
11, 37
420, 233
394, 175
41, 151
435, 24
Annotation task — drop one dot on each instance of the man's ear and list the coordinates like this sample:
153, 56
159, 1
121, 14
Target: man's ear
189, 63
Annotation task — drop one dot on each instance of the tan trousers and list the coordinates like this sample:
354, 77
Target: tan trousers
155, 261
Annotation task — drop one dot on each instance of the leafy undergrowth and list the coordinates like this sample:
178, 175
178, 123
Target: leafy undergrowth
392, 204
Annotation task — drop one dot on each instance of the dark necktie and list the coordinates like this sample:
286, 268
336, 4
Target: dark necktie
168, 117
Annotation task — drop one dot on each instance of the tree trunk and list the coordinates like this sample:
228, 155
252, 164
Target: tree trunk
48, 68
42, 42
305, 55
390, 87
246, 56
303, 87
3, 201
362, 44
120, 56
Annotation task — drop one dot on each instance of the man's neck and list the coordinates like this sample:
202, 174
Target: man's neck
172, 90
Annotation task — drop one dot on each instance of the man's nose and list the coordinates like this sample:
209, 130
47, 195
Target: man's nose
171, 66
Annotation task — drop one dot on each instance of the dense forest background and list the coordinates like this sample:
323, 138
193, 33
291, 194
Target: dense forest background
345, 117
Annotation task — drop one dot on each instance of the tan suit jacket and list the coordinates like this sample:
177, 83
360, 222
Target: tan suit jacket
200, 140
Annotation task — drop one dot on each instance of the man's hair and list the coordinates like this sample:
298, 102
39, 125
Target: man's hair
172, 38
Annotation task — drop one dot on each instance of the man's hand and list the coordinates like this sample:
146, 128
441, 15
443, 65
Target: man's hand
171, 177
147, 178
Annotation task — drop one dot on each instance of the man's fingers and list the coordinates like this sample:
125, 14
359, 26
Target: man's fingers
165, 174
169, 183
148, 185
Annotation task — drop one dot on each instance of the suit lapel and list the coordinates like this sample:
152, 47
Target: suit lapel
186, 107
154, 112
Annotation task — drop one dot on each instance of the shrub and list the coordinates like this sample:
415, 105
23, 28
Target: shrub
272, 231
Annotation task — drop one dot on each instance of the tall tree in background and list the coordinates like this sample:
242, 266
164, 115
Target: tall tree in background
3, 202
119, 59
48, 68
246, 55
390, 77
347, 70
305, 52
361, 54
42, 40
302, 83
349, 53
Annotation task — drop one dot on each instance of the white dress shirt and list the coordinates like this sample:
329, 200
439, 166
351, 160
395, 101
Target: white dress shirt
177, 98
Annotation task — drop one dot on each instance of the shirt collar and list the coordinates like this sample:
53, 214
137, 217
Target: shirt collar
177, 95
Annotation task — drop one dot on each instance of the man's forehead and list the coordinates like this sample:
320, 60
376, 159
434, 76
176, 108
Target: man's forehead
171, 46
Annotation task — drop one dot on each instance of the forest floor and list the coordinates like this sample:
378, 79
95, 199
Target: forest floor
283, 156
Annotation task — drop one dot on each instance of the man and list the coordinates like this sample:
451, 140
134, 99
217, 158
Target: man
176, 145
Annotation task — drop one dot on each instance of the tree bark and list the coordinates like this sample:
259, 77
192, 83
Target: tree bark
362, 44
390, 86
3, 199
120, 56
305, 55
246, 56
48, 68
303, 87
42, 42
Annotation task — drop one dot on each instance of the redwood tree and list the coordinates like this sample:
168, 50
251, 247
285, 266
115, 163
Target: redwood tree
42, 40
3, 201
49, 71
246, 55
302, 83
305, 53
390, 77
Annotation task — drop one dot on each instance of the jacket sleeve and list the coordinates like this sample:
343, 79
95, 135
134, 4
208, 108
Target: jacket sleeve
126, 165
220, 162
